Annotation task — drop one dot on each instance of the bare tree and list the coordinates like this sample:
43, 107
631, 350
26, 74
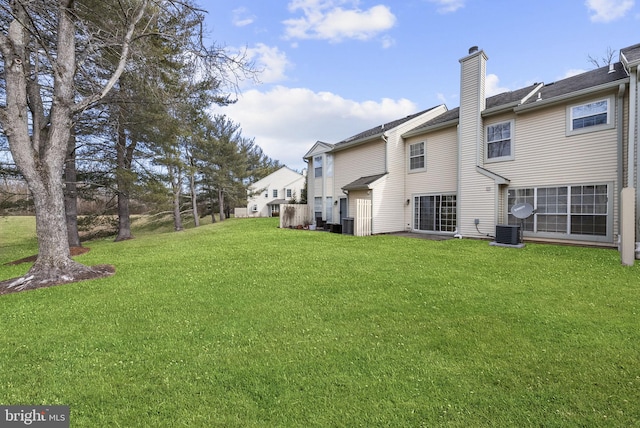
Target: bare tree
605, 60
38, 46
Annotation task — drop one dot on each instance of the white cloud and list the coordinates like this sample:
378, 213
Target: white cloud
448, 6
608, 10
492, 86
327, 20
272, 61
242, 17
572, 72
286, 122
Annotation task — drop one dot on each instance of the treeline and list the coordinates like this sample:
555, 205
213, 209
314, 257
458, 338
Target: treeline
149, 144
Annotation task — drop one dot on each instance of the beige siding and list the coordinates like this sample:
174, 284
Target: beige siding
477, 193
360, 161
351, 164
389, 198
441, 175
546, 156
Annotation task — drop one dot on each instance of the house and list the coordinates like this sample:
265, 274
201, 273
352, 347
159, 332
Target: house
566, 147
369, 166
280, 187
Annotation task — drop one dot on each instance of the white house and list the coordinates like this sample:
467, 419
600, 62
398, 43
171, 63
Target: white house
266, 195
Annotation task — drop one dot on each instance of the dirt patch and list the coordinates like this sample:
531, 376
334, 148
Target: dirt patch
75, 251
95, 272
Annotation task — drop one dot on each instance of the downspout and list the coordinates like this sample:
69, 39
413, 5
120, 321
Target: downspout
620, 109
631, 167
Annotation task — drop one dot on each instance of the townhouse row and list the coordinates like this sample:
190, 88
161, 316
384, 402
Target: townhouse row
568, 148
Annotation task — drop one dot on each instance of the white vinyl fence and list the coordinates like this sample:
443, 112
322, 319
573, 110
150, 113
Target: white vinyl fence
362, 221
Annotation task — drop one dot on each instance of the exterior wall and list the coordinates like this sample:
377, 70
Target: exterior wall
351, 164
441, 175
546, 156
389, 201
476, 193
281, 180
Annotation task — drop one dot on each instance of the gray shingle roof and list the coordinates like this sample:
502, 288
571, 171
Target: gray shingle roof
631, 53
363, 183
590, 79
380, 128
562, 87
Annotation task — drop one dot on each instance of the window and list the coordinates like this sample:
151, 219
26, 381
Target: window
317, 207
567, 210
317, 163
591, 114
289, 193
417, 157
329, 163
329, 208
275, 193
434, 213
499, 141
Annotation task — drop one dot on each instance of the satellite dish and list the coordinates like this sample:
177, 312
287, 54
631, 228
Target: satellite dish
522, 210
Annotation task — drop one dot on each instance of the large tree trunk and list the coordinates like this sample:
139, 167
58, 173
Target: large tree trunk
71, 193
123, 173
41, 156
221, 201
175, 179
194, 199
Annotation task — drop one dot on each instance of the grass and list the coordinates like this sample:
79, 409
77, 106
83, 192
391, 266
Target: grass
243, 324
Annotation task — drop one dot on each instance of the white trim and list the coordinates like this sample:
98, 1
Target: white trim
512, 146
409, 157
593, 128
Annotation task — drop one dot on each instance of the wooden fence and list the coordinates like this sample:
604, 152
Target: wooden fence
294, 215
362, 221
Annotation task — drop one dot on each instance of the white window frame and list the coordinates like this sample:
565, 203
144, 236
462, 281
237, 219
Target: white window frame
275, 193
422, 155
444, 216
289, 193
572, 115
511, 139
317, 166
574, 208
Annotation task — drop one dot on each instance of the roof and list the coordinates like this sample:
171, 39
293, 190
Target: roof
528, 96
363, 183
380, 129
277, 202
590, 79
631, 54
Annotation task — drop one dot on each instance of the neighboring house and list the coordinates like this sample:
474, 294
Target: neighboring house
280, 187
370, 166
567, 148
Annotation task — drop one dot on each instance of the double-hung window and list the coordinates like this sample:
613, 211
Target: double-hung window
591, 116
275, 193
500, 141
317, 165
417, 158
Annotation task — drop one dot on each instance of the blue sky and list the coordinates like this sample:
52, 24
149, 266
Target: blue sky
333, 68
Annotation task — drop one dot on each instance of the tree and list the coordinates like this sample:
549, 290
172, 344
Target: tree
605, 60
38, 45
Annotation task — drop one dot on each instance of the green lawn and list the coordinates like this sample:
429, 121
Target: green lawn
242, 324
